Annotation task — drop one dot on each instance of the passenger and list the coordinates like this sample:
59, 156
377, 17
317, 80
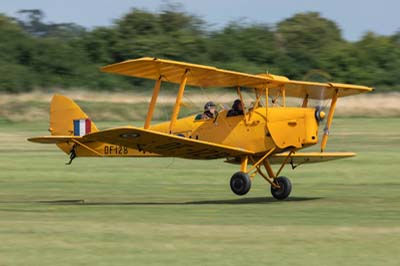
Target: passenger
237, 109
210, 112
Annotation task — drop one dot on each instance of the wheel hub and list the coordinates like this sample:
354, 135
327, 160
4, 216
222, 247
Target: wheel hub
238, 183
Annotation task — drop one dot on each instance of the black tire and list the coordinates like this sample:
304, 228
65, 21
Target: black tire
285, 188
240, 183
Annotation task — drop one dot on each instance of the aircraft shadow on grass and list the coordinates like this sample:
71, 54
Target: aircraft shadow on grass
256, 200
244, 201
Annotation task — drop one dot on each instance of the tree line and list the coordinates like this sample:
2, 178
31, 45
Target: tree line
39, 55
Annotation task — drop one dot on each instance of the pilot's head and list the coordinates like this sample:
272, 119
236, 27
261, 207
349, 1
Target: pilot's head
237, 105
209, 107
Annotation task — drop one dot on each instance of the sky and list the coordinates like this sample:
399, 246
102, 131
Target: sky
354, 17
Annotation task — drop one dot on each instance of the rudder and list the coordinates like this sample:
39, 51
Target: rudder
68, 119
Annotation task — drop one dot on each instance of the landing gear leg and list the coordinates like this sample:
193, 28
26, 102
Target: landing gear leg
281, 185
240, 181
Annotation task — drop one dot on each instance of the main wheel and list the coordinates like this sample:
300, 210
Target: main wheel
240, 183
285, 187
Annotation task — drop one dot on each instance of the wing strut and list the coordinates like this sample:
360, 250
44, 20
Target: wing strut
242, 103
152, 103
305, 101
329, 121
283, 95
266, 106
178, 101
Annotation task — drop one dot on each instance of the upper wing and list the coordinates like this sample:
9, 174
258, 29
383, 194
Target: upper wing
317, 90
207, 76
172, 71
164, 144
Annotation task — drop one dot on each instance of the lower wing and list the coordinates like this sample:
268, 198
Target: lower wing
164, 144
310, 157
301, 157
146, 142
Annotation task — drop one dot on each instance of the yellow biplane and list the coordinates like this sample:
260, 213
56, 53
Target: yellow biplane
254, 139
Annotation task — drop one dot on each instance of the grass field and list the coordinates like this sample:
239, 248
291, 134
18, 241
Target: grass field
180, 212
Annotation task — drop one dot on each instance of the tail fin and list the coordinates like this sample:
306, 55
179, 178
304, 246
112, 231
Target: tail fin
67, 118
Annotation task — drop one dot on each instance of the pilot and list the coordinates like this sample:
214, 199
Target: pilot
237, 108
210, 111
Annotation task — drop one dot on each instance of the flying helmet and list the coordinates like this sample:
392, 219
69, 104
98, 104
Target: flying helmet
208, 106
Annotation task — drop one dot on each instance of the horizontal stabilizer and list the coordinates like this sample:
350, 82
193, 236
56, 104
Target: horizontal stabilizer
54, 139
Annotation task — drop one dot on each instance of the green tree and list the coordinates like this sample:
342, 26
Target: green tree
249, 48
36, 54
302, 38
378, 58
31, 20
15, 50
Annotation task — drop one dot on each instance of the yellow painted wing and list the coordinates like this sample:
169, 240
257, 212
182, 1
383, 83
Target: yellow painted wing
317, 90
164, 144
172, 71
207, 76
300, 157
310, 157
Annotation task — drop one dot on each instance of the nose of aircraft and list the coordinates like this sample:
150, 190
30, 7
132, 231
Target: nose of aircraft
322, 115
319, 114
